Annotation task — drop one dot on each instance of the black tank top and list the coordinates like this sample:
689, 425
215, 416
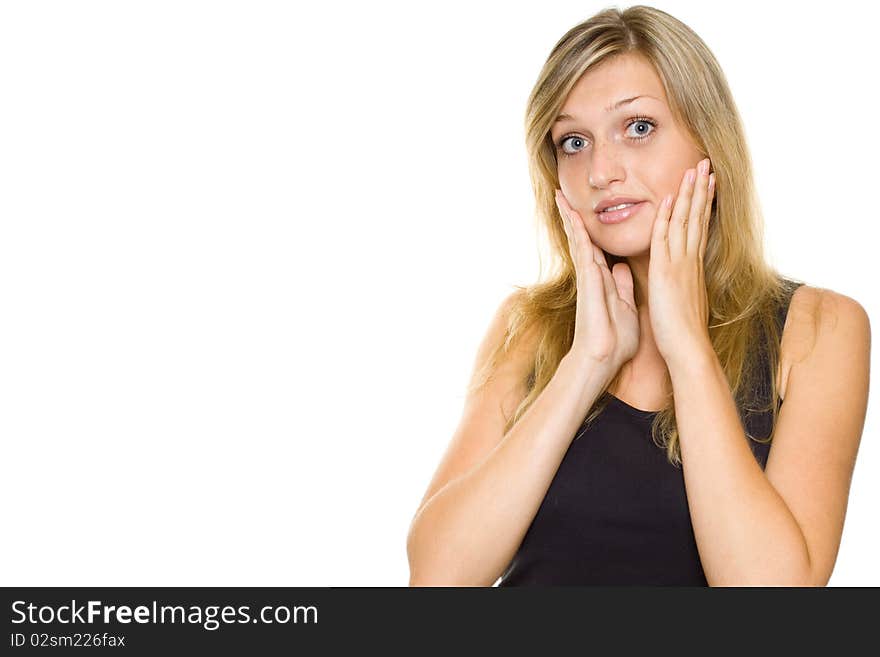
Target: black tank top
616, 512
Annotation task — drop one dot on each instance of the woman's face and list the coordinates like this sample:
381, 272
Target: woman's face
634, 150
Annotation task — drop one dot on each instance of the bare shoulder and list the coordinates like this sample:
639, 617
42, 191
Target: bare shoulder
817, 437
515, 362
814, 312
496, 389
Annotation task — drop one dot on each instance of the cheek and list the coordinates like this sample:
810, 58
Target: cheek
577, 195
666, 183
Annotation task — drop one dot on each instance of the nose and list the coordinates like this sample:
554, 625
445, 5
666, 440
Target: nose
605, 166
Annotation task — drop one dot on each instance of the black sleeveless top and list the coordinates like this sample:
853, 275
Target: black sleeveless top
616, 512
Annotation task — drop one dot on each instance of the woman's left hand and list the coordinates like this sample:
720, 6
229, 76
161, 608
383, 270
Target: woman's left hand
678, 302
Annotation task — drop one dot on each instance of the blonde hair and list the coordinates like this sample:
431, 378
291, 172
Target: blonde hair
745, 293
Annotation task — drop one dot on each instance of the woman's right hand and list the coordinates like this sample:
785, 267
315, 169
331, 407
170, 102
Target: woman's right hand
606, 319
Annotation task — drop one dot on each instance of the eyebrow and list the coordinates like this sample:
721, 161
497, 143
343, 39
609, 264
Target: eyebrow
617, 105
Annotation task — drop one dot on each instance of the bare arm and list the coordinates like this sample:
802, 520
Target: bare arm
469, 530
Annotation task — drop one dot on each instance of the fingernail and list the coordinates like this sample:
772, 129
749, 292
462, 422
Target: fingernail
691, 175
704, 166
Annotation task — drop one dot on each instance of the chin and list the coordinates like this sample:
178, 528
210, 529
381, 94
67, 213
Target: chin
625, 247
628, 253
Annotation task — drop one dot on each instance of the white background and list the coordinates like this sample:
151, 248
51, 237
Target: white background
248, 250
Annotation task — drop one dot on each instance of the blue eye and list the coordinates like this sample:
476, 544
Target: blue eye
565, 139
645, 134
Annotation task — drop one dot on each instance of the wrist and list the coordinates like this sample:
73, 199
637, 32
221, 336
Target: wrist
587, 371
694, 358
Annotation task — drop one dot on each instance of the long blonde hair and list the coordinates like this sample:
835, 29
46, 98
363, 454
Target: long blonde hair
744, 292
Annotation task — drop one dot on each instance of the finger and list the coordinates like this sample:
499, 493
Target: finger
680, 213
577, 221
599, 257
624, 281
611, 294
578, 227
660, 232
698, 209
704, 237
597, 289
566, 226
597, 281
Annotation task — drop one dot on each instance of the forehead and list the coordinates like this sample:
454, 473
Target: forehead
622, 77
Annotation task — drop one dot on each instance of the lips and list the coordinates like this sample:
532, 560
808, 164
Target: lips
615, 208
615, 200
617, 216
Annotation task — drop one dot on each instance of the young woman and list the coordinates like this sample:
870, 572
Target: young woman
619, 422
